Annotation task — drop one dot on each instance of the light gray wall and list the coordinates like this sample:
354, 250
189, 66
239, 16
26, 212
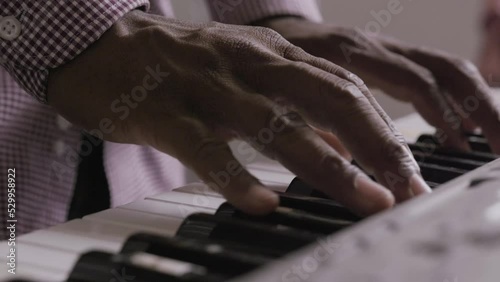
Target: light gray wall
451, 25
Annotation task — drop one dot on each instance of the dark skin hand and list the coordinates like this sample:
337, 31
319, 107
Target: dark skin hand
447, 91
489, 59
212, 81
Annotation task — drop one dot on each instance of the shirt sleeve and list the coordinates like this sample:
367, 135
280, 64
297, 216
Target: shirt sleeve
248, 11
52, 33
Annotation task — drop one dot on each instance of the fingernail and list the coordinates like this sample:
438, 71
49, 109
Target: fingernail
418, 185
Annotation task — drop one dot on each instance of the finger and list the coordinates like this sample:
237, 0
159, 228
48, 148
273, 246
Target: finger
334, 142
212, 160
284, 136
474, 98
416, 186
465, 86
338, 105
407, 81
468, 125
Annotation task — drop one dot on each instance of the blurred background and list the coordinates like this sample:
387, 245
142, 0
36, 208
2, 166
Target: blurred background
451, 25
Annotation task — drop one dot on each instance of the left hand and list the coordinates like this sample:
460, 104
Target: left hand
447, 91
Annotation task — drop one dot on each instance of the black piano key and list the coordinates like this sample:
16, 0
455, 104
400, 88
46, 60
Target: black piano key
299, 187
447, 161
289, 218
436, 150
319, 206
477, 143
249, 236
480, 144
215, 257
105, 267
439, 174
433, 185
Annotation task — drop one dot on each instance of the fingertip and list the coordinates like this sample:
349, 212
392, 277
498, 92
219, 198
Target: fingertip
371, 197
418, 185
459, 143
258, 200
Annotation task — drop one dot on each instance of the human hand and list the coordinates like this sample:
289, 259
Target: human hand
489, 59
183, 88
447, 91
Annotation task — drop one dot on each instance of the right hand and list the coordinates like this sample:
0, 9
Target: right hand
489, 60
227, 79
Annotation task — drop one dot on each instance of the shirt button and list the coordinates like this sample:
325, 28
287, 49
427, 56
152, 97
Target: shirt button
10, 28
62, 123
59, 148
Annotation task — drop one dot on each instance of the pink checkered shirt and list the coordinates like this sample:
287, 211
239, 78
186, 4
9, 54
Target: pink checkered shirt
40, 145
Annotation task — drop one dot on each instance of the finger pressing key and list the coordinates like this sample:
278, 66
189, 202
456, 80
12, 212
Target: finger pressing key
339, 105
212, 160
293, 143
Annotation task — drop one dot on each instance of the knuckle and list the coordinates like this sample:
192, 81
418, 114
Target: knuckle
351, 89
355, 102
277, 42
394, 151
356, 80
333, 163
417, 78
358, 38
427, 82
288, 50
146, 35
286, 122
399, 160
301, 66
240, 45
341, 168
463, 65
266, 32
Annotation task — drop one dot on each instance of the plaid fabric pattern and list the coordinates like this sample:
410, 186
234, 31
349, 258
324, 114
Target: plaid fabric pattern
28, 138
53, 33
43, 151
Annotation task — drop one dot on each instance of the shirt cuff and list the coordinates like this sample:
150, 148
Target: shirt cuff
248, 11
53, 32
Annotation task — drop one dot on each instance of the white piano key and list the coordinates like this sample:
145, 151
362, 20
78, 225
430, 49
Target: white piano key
35, 273
141, 221
190, 189
165, 265
197, 200
198, 189
81, 236
166, 209
53, 260
272, 174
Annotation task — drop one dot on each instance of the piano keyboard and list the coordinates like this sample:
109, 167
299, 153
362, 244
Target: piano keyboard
192, 234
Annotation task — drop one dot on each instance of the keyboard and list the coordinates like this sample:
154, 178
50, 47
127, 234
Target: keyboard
192, 234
